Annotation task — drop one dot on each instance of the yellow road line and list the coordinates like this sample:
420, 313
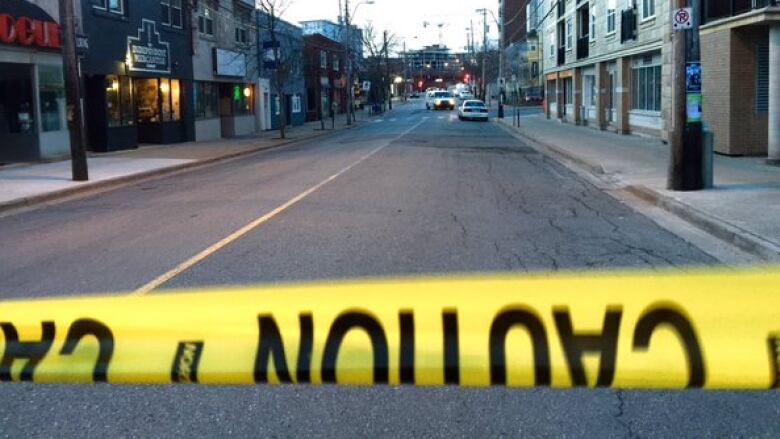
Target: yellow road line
189, 263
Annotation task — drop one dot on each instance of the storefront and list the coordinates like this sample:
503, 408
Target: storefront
226, 100
32, 94
137, 76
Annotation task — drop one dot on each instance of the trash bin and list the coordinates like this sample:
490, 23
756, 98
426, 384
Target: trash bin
708, 141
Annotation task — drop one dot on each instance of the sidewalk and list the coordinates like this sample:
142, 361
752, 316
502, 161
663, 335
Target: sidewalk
29, 184
743, 208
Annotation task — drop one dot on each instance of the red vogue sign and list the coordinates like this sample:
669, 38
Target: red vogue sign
29, 32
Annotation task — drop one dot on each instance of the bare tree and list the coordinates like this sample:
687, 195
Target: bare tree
287, 60
378, 47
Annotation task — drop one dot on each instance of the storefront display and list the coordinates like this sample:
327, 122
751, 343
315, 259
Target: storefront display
138, 78
32, 93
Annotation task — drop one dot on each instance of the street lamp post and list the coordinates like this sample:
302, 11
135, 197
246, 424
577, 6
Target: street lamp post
347, 48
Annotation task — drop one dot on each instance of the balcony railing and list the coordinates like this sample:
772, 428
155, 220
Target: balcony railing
583, 45
561, 56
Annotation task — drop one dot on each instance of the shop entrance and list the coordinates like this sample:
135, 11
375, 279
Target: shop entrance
18, 128
158, 110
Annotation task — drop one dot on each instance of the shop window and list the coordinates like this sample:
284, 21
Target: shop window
206, 100
119, 101
52, 97
170, 97
646, 88
589, 89
171, 13
242, 99
113, 6
148, 98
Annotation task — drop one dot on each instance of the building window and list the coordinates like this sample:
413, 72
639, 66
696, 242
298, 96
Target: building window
206, 22
610, 18
569, 33
119, 101
242, 36
583, 23
158, 100
762, 78
589, 90
241, 98
113, 6
534, 69
648, 9
336, 63
206, 100
323, 59
568, 91
593, 23
170, 95
296, 103
171, 13
51, 91
277, 105
646, 88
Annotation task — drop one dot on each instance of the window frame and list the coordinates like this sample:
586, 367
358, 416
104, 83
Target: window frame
105, 6
241, 35
593, 25
611, 19
646, 88
569, 34
647, 5
167, 19
323, 59
204, 19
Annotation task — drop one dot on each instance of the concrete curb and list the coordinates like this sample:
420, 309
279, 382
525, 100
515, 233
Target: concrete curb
597, 169
114, 183
734, 235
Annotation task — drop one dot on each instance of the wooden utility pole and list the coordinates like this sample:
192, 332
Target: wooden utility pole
70, 66
388, 81
484, 54
686, 160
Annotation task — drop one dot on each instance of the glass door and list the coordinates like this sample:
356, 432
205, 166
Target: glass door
18, 124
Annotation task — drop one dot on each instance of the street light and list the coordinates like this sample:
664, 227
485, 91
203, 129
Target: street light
347, 47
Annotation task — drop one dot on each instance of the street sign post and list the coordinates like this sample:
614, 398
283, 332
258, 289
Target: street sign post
682, 19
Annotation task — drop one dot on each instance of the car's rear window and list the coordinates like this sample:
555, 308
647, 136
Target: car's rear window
474, 104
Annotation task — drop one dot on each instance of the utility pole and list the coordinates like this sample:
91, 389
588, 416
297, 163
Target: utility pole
405, 71
387, 71
501, 78
347, 35
70, 65
484, 53
686, 160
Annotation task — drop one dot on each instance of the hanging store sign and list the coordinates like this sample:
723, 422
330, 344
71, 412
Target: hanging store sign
147, 53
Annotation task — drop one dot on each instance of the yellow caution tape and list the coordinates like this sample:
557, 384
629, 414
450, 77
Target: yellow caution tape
669, 330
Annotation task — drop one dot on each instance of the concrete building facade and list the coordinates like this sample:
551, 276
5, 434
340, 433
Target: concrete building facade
226, 90
608, 64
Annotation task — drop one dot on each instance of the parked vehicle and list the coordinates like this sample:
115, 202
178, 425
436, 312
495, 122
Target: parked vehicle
473, 110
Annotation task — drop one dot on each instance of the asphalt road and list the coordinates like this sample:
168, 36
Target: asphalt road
412, 192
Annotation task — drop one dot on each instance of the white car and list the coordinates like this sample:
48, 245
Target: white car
473, 110
466, 95
439, 100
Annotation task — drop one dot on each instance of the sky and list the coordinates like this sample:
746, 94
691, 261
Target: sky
406, 18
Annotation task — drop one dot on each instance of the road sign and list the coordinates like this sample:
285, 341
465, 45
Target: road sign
366, 85
682, 19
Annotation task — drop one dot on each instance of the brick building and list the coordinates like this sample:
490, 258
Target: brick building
740, 50
324, 75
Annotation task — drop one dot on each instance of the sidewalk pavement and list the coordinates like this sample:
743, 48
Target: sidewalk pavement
28, 184
743, 208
